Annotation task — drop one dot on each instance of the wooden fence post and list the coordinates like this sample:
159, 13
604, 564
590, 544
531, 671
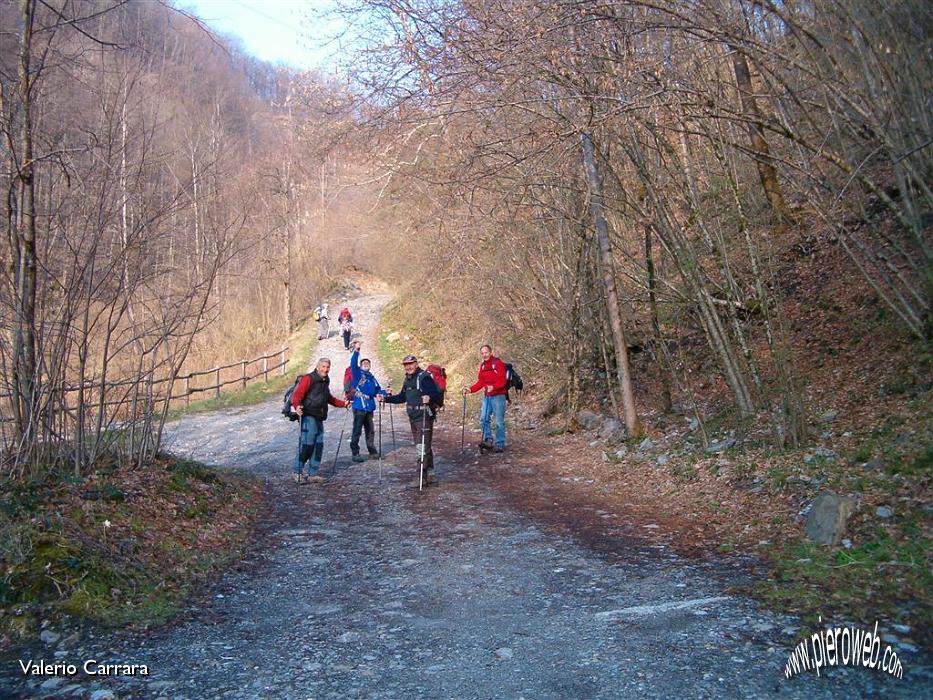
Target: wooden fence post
265, 369
217, 381
243, 365
282, 361
187, 390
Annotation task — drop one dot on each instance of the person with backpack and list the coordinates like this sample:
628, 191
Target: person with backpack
310, 400
320, 315
493, 379
422, 397
346, 326
363, 390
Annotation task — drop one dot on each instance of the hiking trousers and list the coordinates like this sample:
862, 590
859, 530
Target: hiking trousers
363, 420
416, 426
493, 407
310, 445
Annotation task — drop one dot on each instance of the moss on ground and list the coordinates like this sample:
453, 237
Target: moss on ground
122, 547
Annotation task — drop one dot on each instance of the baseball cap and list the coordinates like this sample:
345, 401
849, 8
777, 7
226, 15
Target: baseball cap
408, 359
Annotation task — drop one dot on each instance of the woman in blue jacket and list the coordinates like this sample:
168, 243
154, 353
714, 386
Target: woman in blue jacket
365, 388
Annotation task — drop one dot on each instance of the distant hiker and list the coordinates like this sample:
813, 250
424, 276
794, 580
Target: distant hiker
320, 315
345, 315
346, 328
310, 401
421, 395
365, 389
493, 379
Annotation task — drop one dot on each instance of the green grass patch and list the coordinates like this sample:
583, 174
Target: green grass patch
684, 472
109, 548
778, 476
304, 341
880, 577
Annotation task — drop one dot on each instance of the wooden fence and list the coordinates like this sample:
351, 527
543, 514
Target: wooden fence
243, 377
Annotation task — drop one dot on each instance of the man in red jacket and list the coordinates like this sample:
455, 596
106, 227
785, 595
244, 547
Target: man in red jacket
492, 379
310, 401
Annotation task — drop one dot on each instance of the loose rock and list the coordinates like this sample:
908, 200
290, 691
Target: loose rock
826, 521
49, 637
610, 429
720, 446
588, 420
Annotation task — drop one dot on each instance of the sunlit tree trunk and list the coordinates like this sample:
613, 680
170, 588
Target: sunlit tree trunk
595, 187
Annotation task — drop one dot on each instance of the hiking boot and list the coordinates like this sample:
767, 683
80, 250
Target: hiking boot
314, 479
296, 478
483, 446
358, 458
374, 455
498, 449
429, 480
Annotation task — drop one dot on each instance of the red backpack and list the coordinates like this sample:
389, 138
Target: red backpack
439, 375
348, 391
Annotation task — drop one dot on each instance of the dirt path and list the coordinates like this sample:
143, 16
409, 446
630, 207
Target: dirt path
367, 589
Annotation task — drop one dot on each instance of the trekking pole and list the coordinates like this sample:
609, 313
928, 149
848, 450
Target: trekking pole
463, 425
392, 423
343, 429
380, 442
424, 424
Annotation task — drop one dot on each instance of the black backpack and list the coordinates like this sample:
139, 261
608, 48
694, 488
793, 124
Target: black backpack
287, 401
512, 379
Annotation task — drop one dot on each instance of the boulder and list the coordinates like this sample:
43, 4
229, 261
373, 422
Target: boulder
588, 420
49, 637
720, 446
645, 445
884, 512
394, 337
826, 521
610, 429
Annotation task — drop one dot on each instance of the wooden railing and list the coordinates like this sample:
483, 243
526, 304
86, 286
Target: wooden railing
243, 378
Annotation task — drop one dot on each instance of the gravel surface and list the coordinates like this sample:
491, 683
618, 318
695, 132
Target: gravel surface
366, 588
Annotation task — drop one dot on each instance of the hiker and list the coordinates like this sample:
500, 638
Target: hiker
320, 315
494, 380
310, 401
419, 392
364, 389
346, 326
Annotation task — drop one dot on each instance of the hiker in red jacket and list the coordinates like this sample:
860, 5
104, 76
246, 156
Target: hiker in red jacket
310, 401
493, 380
346, 326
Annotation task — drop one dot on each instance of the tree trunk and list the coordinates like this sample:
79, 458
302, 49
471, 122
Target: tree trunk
655, 322
24, 341
595, 186
766, 171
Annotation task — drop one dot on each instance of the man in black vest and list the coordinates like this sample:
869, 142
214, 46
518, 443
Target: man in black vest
421, 395
310, 400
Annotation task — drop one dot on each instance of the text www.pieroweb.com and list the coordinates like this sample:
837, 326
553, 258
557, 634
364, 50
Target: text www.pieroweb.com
843, 646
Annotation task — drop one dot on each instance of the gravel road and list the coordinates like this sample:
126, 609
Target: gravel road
366, 588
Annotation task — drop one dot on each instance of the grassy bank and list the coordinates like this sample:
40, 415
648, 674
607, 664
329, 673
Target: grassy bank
302, 344
122, 547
